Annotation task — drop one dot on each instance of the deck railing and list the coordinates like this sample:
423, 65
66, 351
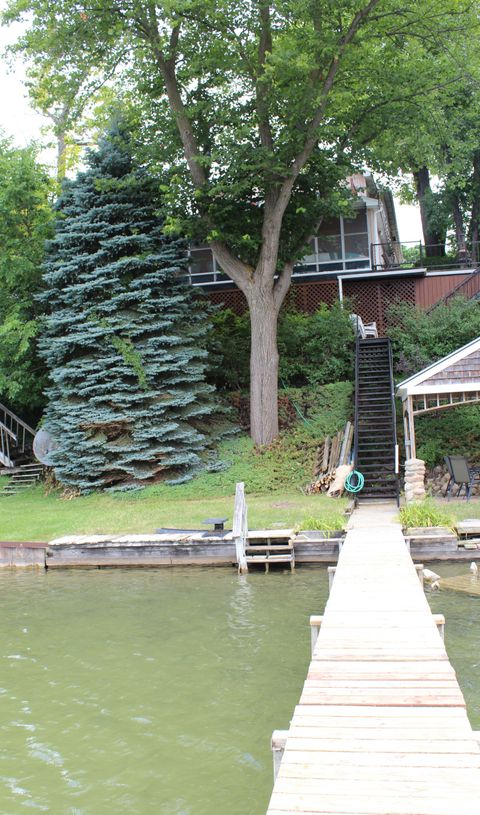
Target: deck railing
417, 255
469, 288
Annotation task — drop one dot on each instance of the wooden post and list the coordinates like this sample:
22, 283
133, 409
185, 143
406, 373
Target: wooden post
279, 738
315, 624
240, 527
440, 623
419, 570
331, 574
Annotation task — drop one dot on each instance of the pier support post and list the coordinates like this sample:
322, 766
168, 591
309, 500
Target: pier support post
419, 569
240, 527
279, 738
331, 574
316, 621
440, 623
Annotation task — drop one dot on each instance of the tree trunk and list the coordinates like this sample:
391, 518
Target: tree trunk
263, 364
434, 238
475, 216
459, 227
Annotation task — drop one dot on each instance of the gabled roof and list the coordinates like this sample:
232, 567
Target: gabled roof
457, 372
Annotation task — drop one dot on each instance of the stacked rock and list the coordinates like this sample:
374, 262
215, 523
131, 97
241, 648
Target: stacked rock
414, 479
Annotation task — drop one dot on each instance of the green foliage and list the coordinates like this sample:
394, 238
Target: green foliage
25, 223
419, 338
453, 431
124, 335
229, 350
315, 349
328, 521
425, 513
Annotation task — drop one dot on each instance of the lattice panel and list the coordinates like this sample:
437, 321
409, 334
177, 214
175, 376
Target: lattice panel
308, 297
372, 298
229, 298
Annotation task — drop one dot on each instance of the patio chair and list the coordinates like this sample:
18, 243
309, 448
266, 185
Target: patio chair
460, 473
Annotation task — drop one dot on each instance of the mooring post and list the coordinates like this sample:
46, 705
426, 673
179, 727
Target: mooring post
240, 527
440, 623
419, 568
315, 624
279, 738
331, 574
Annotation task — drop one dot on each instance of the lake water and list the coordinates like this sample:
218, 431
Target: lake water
157, 691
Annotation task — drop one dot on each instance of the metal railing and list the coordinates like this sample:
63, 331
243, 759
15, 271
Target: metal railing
396, 462
357, 405
417, 255
469, 288
14, 433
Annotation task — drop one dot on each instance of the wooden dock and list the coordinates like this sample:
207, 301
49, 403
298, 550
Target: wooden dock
381, 726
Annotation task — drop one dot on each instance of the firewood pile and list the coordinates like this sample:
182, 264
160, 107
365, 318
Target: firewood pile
331, 453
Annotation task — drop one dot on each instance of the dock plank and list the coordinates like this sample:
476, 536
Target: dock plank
381, 726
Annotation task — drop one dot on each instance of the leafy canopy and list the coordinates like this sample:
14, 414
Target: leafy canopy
25, 224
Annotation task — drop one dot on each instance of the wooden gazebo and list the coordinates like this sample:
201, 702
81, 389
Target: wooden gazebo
452, 381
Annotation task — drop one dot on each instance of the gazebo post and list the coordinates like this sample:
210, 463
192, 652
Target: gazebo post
409, 427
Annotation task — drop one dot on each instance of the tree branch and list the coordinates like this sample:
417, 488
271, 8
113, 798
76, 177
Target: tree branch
236, 269
301, 159
262, 86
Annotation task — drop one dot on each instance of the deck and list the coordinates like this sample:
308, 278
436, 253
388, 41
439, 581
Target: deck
381, 726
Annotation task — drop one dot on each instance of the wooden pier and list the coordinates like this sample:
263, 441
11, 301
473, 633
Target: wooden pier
381, 726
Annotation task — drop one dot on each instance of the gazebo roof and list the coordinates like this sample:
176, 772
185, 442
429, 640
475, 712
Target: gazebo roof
458, 372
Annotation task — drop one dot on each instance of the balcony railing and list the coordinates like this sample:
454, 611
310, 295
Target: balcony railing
384, 257
416, 255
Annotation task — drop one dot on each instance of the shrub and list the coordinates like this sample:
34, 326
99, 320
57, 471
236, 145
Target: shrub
452, 431
314, 349
418, 338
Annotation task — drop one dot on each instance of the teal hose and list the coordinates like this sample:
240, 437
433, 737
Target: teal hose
358, 485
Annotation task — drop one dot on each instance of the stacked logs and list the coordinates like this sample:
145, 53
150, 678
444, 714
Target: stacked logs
331, 453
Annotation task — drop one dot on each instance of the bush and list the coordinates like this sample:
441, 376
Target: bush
314, 349
418, 338
452, 431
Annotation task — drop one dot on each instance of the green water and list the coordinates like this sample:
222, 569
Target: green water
157, 691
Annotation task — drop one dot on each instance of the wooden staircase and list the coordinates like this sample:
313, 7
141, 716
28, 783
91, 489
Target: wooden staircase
268, 547
16, 439
375, 432
22, 478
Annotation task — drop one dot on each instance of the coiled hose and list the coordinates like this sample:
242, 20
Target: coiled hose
356, 485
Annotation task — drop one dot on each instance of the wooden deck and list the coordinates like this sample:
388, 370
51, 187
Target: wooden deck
381, 727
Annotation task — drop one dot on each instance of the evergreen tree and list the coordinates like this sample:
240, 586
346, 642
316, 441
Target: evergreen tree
124, 336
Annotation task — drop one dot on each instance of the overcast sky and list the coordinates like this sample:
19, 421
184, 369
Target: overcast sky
18, 120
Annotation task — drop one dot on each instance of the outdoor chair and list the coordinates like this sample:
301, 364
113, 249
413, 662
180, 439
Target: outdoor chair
460, 473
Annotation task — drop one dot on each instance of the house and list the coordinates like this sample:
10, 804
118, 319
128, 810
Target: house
358, 258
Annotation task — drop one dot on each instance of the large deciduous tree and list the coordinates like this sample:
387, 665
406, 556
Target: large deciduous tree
268, 105
25, 224
124, 336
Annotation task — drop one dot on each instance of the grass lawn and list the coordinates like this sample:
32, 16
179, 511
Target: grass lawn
34, 516
273, 480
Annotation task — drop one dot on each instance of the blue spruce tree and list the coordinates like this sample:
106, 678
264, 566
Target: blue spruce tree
124, 337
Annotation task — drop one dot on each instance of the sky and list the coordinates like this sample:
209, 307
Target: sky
19, 121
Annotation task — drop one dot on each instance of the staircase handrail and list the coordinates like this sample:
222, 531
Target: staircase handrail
394, 420
355, 430
5, 429
456, 290
15, 419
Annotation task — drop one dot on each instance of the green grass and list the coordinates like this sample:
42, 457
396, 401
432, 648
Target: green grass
273, 480
34, 516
